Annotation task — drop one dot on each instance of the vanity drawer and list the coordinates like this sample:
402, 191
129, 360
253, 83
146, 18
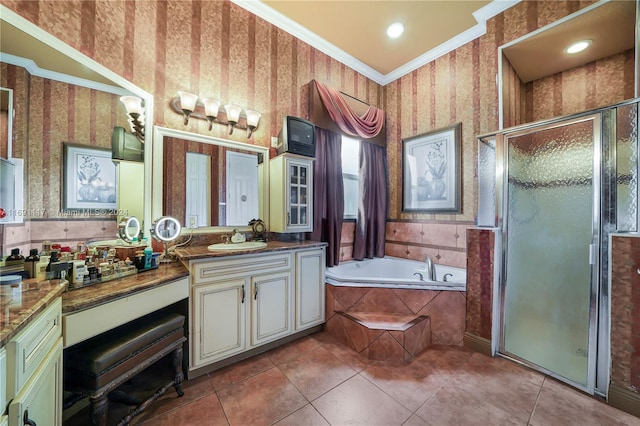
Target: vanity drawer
239, 266
28, 348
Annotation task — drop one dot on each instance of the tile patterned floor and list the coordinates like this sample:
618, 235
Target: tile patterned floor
317, 381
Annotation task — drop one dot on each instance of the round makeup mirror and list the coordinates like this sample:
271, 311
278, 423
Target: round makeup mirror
166, 229
129, 228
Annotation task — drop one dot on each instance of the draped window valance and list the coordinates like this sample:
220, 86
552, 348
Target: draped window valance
331, 110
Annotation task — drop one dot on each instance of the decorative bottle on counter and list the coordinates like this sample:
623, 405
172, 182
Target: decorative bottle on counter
31, 262
15, 255
50, 271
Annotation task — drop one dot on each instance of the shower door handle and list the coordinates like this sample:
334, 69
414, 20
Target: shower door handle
593, 254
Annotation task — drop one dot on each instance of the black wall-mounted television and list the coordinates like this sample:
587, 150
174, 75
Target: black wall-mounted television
297, 137
125, 146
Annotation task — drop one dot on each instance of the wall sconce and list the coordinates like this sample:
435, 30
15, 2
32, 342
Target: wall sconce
210, 109
135, 113
233, 115
188, 104
253, 118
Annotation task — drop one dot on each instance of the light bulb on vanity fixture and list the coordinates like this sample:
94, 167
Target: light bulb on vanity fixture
253, 118
135, 113
187, 104
211, 109
233, 115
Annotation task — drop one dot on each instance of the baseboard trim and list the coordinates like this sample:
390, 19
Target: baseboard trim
624, 399
477, 343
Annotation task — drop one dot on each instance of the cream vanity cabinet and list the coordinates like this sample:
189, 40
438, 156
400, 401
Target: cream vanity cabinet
4, 420
241, 302
34, 371
291, 193
310, 296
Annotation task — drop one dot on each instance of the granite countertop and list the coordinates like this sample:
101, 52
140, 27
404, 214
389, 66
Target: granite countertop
22, 302
201, 251
98, 294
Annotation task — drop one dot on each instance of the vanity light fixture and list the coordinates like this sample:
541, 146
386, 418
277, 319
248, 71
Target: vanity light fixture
253, 118
211, 109
187, 104
233, 115
135, 113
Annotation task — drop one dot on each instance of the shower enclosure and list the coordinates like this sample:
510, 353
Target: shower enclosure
554, 191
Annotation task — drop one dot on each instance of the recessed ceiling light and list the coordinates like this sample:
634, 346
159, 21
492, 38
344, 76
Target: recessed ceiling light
395, 30
578, 46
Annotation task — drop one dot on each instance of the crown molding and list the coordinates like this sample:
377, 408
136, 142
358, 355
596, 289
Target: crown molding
270, 15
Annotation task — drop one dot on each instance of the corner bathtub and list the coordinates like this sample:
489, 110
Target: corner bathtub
393, 272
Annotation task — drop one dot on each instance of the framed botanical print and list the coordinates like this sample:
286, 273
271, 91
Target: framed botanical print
89, 178
431, 171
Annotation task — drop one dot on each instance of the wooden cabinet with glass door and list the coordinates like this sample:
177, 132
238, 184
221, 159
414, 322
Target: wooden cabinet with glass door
291, 193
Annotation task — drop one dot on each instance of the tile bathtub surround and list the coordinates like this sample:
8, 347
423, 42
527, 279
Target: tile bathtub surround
385, 337
445, 309
319, 383
444, 242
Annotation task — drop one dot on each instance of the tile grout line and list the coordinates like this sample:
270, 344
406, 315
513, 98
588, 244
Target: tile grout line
449, 376
310, 402
544, 379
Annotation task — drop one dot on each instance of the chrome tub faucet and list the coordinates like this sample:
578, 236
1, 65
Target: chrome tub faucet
430, 270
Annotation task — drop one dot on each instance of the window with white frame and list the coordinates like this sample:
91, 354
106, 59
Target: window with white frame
350, 176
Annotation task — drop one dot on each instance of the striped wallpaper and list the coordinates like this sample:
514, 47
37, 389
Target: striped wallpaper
215, 48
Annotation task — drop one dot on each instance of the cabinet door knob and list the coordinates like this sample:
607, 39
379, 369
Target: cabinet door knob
26, 420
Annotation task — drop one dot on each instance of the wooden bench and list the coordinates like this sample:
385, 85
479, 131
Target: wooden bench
99, 365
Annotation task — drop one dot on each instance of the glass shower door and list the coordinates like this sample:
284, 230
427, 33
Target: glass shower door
550, 249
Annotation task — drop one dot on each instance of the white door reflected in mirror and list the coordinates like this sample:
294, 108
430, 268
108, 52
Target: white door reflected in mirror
198, 196
242, 188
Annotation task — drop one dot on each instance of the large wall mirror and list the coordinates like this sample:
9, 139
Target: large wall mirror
62, 95
538, 79
209, 184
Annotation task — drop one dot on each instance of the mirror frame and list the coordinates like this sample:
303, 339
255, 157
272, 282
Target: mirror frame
587, 9
23, 24
10, 121
158, 173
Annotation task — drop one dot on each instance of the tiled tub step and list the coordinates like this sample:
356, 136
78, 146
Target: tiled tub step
388, 337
